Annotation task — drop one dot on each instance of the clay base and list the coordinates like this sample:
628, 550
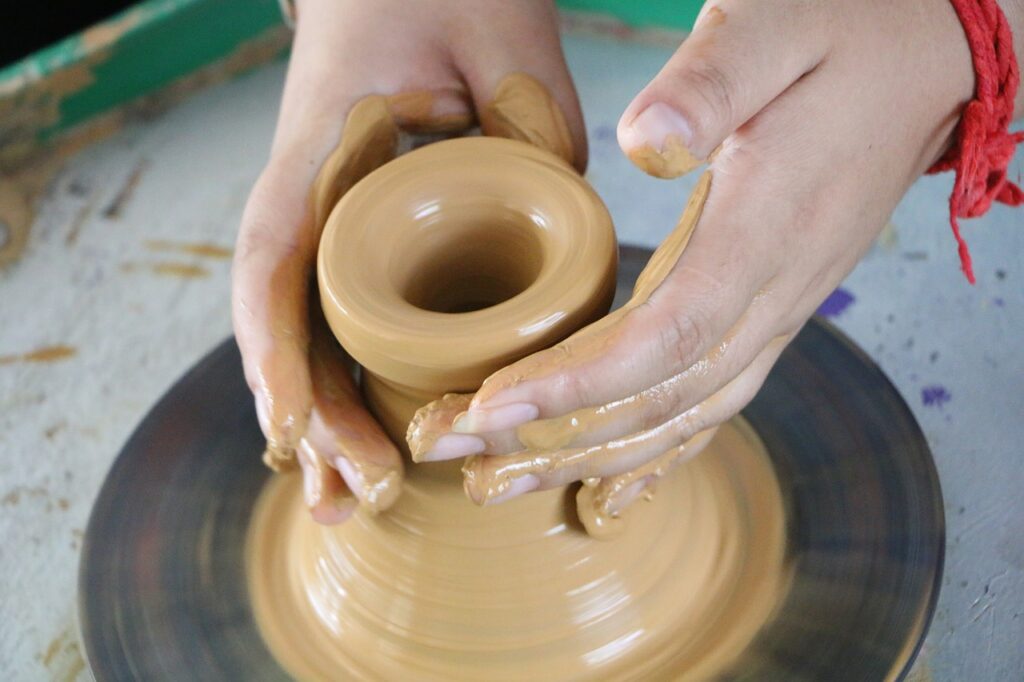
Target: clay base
437, 588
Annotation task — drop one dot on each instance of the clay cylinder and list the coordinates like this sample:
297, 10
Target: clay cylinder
456, 259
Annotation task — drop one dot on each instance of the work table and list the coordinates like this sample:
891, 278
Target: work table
125, 284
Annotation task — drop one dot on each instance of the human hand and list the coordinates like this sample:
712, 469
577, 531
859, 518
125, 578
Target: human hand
822, 115
385, 69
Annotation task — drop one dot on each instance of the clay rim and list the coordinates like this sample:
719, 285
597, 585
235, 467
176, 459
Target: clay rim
375, 322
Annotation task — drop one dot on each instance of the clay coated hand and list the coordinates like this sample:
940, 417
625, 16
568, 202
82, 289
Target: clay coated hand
822, 115
385, 69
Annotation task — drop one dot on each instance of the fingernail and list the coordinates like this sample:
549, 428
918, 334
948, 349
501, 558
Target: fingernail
658, 122
310, 485
496, 419
452, 446
334, 511
516, 487
376, 487
351, 477
263, 413
658, 141
627, 497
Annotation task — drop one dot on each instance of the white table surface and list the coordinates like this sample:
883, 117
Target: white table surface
135, 329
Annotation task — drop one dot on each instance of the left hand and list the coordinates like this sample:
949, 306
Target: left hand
823, 115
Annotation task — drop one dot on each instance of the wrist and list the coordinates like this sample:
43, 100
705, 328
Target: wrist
1014, 11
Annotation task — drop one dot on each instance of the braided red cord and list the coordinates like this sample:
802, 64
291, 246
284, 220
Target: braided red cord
984, 144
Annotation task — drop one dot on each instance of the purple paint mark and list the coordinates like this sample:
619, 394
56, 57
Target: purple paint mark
998, 300
935, 396
837, 302
604, 133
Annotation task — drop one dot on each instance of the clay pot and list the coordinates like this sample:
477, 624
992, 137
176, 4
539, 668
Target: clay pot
435, 270
457, 259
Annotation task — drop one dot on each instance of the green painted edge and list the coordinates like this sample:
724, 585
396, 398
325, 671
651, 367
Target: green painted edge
672, 14
176, 42
157, 41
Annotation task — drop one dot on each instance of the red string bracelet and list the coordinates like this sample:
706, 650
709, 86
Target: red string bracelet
984, 145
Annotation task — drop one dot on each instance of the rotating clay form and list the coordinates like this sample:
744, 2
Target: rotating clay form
436, 270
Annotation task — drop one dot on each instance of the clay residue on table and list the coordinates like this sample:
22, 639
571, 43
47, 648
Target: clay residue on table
201, 249
167, 269
116, 205
62, 657
44, 354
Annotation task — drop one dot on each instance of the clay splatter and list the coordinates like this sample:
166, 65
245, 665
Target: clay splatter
46, 354
836, 303
80, 218
15, 495
113, 209
63, 657
184, 270
935, 396
203, 249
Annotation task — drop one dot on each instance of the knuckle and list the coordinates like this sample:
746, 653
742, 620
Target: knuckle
714, 88
574, 388
684, 332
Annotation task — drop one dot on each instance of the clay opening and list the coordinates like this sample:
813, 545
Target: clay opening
471, 258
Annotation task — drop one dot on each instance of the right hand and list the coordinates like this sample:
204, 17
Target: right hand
424, 67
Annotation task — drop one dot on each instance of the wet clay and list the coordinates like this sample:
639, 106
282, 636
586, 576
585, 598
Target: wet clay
434, 271
437, 589
497, 249
671, 161
522, 109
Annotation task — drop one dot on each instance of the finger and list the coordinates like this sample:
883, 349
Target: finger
523, 90
270, 279
368, 140
489, 480
739, 57
521, 108
437, 110
599, 506
327, 497
270, 284
706, 292
430, 438
344, 433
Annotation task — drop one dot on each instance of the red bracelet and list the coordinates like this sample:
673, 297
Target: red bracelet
984, 144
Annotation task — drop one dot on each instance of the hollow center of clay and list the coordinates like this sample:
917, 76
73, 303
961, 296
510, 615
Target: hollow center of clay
467, 257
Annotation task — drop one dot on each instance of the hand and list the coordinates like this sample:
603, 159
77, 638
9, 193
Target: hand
385, 68
822, 115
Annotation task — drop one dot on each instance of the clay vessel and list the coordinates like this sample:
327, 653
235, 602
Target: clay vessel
435, 270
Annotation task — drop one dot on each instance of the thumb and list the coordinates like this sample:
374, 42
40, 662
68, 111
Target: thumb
738, 59
523, 109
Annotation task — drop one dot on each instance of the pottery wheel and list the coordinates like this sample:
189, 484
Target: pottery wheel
162, 590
